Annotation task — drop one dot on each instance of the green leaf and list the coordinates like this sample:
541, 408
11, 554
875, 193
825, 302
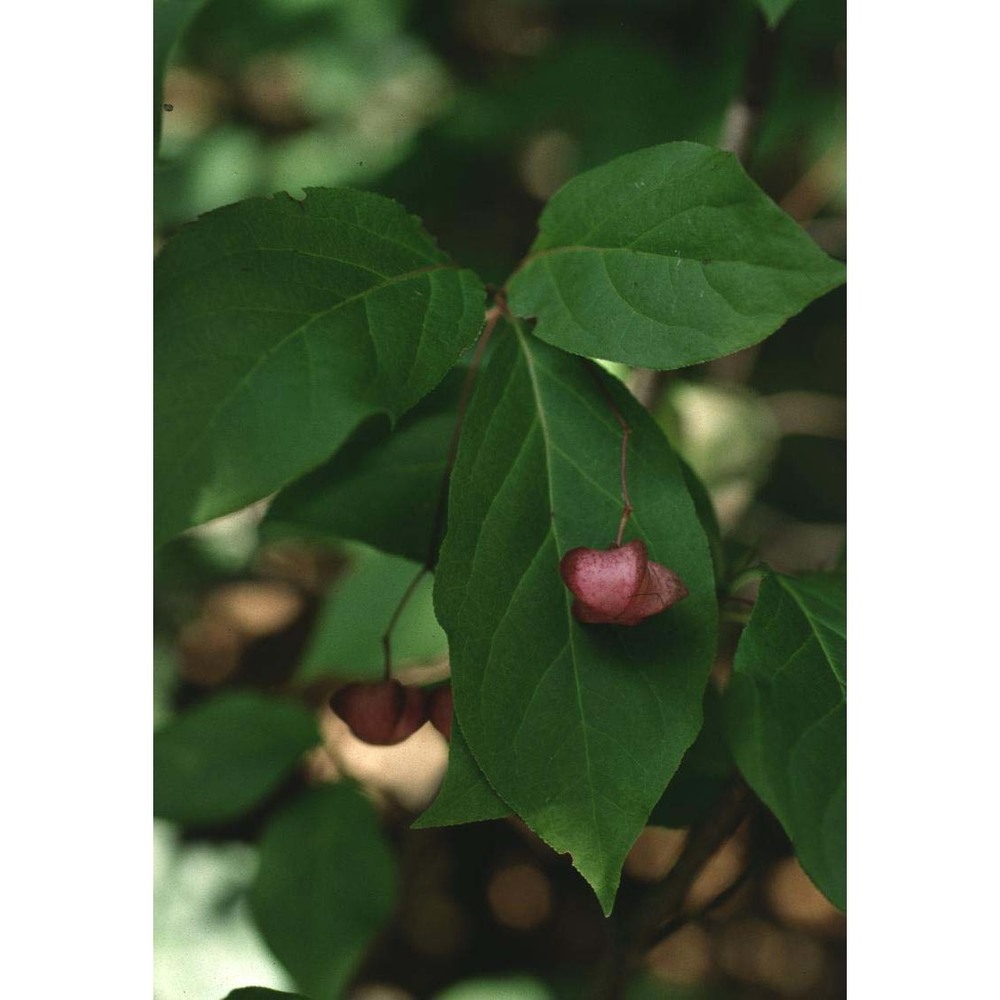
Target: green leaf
579, 728
665, 258
705, 771
774, 10
325, 887
786, 717
347, 640
465, 795
262, 993
513, 988
383, 486
705, 510
279, 326
221, 758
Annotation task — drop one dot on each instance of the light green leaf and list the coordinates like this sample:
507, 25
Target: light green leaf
262, 993
774, 10
221, 758
579, 728
515, 988
347, 640
465, 795
383, 486
325, 887
786, 717
279, 326
664, 258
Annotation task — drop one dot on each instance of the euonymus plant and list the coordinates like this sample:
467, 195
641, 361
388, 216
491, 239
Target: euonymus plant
325, 353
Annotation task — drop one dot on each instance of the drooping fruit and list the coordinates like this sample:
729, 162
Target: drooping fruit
440, 705
619, 585
603, 582
382, 713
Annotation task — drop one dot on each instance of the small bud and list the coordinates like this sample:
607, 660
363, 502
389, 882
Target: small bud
619, 586
382, 713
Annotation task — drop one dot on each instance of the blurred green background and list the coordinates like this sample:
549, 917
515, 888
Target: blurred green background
472, 113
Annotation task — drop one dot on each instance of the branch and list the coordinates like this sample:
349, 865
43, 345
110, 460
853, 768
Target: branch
746, 111
660, 910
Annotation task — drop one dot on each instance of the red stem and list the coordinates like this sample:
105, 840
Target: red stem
627, 507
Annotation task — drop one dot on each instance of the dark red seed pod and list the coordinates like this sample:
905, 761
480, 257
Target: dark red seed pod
382, 713
440, 706
619, 585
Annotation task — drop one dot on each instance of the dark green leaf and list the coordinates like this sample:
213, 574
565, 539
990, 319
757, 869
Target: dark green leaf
326, 885
347, 640
774, 10
280, 326
786, 717
809, 479
221, 758
262, 993
705, 771
383, 486
664, 258
465, 796
579, 728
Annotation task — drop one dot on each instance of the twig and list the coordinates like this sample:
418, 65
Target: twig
663, 904
720, 899
745, 112
626, 499
816, 187
387, 634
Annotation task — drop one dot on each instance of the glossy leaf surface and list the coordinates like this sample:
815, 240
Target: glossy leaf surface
787, 713
326, 885
279, 326
578, 727
383, 487
221, 758
664, 258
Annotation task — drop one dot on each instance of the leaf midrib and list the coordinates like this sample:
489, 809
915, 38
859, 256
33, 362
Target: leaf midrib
700, 261
543, 423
